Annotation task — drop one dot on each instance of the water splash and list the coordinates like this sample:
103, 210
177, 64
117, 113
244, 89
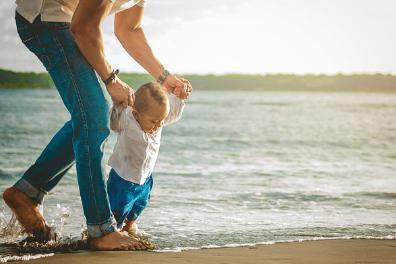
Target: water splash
17, 245
62, 213
10, 230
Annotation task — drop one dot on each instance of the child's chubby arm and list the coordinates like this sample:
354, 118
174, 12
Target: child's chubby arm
117, 117
176, 107
176, 103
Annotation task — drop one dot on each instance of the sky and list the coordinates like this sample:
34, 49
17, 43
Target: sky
246, 36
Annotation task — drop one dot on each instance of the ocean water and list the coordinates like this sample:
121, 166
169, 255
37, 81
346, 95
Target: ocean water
241, 167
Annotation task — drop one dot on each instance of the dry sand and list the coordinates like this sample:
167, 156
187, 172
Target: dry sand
324, 251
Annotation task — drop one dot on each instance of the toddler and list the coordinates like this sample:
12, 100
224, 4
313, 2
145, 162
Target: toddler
135, 153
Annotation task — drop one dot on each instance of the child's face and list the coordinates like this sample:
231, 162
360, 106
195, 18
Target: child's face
153, 118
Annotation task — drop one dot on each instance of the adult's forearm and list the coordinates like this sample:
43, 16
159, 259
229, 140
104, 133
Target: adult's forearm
90, 43
135, 43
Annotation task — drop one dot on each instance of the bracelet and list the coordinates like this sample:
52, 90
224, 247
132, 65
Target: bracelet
162, 77
112, 76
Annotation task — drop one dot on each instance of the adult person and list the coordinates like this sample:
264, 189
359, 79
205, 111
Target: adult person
67, 38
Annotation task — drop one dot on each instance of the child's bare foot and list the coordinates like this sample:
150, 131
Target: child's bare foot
116, 241
27, 212
131, 228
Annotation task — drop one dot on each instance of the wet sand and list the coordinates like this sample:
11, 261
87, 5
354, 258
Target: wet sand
324, 251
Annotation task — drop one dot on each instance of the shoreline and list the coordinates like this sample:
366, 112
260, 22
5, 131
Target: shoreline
353, 82
316, 251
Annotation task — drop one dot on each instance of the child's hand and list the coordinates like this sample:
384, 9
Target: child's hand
178, 86
183, 91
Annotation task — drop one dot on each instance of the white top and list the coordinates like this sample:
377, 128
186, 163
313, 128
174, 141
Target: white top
62, 10
136, 152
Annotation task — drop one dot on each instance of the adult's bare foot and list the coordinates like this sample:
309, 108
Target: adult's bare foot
27, 212
116, 241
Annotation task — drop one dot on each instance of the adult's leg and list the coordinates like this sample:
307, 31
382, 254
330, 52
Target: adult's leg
85, 99
82, 95
53, 163
28, 192
77, 84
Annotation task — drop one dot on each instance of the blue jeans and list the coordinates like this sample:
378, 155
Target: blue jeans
81, 139
127, 199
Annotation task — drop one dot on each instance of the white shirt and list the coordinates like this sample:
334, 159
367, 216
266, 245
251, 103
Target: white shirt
136, 152
62, 10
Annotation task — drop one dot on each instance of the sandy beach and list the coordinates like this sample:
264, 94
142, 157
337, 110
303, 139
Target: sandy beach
325, 251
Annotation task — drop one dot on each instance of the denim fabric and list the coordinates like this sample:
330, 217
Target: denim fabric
81, 140
127, 199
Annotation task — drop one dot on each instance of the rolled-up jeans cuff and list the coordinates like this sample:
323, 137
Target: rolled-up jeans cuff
99, 230
32, 192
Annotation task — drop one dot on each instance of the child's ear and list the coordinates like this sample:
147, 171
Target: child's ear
135, 114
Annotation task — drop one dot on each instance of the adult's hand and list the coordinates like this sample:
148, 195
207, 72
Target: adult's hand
121, 93
178, 86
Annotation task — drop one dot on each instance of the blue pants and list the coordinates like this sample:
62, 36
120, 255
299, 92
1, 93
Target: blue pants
81, 139
127, 199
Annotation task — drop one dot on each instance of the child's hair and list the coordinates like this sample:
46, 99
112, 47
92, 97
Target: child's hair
149, 91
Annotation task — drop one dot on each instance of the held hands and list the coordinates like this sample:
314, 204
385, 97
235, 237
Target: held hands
178, 86
121, 93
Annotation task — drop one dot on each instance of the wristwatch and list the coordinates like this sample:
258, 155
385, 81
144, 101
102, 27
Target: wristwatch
162, 77
112, 76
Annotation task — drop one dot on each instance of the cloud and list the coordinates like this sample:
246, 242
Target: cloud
160, 17
13, 54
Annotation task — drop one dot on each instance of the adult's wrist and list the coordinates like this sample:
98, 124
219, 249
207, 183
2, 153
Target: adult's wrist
111, 77
161, 79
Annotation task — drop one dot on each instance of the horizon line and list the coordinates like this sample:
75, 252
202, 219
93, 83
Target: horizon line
242, 73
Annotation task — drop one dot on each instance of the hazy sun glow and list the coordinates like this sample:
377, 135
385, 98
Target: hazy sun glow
250, 36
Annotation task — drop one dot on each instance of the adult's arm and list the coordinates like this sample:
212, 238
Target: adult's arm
86, 28
128, 29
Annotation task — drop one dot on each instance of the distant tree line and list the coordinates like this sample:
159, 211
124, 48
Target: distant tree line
11, 79
268, 82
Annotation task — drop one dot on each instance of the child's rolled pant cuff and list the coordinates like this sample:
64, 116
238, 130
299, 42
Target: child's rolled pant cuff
101, 229
31, 191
